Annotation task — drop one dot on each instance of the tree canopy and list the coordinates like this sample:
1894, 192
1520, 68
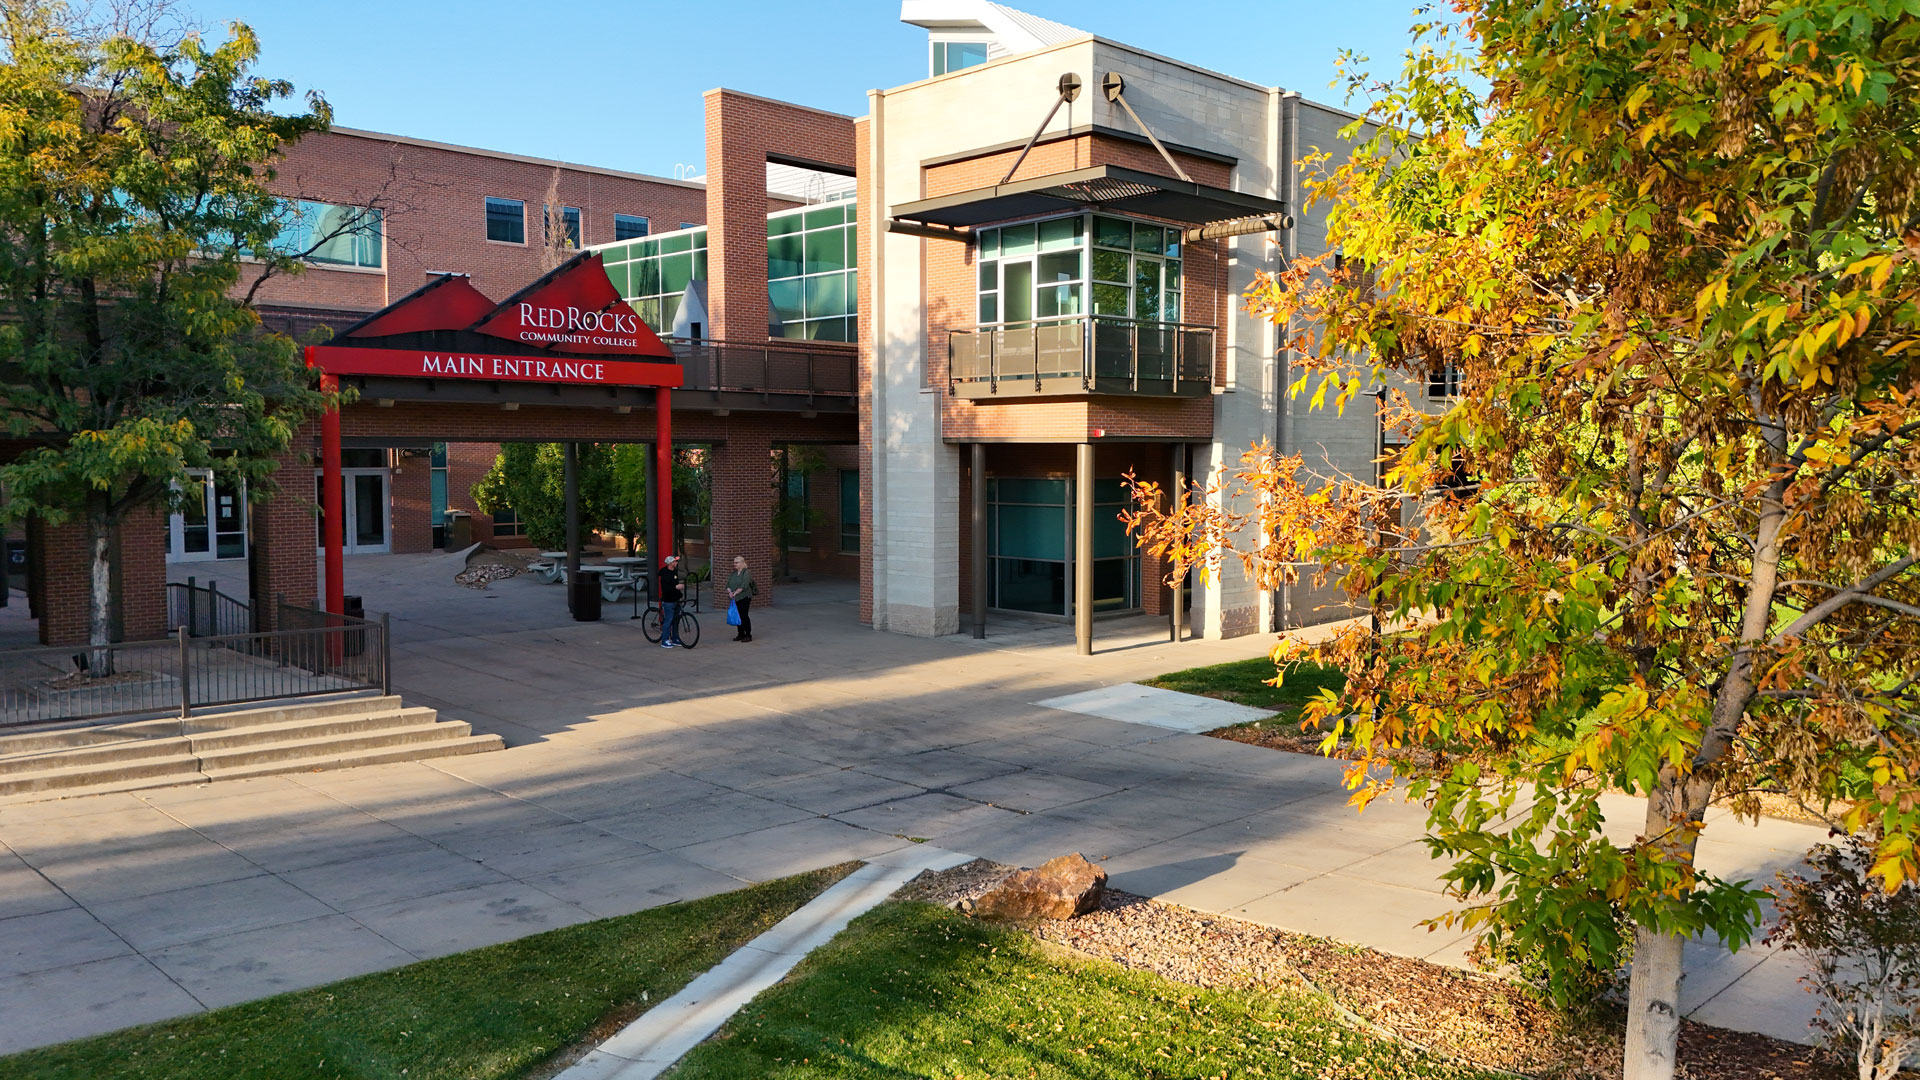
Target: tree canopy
132, 190
1660, 540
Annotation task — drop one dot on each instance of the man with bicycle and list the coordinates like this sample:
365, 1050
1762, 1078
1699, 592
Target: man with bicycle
669, 600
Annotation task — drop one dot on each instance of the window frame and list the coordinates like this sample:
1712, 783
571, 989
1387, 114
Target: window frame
487, 207
574, 222
646, 226
850, 530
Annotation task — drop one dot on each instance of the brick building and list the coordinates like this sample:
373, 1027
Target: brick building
923, 344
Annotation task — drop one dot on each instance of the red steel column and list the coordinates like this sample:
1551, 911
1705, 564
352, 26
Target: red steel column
663, 498
333, 513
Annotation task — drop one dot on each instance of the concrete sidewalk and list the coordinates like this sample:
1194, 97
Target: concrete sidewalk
639, 776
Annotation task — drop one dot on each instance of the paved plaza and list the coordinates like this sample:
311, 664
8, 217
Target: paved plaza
637, 776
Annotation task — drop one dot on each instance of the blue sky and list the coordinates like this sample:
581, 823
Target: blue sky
618, 84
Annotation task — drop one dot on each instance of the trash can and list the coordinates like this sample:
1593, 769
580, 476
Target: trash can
355, 636
586, 597
458, 525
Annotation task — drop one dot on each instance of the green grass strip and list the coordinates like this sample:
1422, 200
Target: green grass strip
913, 990
492, 1012
1244, 682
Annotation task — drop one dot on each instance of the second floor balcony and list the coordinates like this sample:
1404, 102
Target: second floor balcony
1080, 355
776, 374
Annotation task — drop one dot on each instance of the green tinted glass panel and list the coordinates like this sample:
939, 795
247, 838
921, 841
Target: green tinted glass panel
618, 275
1031, 532
1146, 289
1149, 239
1058, 300
1171, 310
649, 312
1109, 536
826, 250
1060, 233
989, 309
784, 256
788, 299
670, 309
830, 330
1059, 267
678, 242
1110, 300
700, 264
853, 248
1173, 243
1110, 266
646, 249
781, 226
1016, 289
1173, 273
675, 272
1018, 490
1112, 232
989, 276
437, 485
824, 216
1017, 240
990, 243
827, 295
645, 277
1110, 492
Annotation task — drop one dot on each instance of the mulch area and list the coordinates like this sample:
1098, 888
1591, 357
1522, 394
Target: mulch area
1478, 1018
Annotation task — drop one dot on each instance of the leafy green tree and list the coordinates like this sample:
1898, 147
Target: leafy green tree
530, 479
1665, 530
132, 184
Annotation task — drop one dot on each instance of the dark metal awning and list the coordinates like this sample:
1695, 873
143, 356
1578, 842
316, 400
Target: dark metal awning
1102, 187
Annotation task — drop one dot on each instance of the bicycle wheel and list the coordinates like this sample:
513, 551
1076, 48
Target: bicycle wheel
686, 630
650, 624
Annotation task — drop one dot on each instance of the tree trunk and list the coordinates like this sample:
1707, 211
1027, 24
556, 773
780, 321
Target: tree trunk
100, 593
1653, 993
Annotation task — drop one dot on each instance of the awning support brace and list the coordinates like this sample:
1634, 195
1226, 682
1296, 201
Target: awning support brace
1069, 90
1112, 85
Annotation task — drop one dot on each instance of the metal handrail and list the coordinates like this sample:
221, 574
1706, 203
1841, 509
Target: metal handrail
178, 675
800, 367
204, 609
985, 361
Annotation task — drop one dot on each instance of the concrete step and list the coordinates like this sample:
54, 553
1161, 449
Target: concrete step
256, 734
105, 788
106, 754
175, 768
328, 747
472, 744
281, 714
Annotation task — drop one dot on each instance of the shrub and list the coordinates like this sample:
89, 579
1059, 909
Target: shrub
1862, 946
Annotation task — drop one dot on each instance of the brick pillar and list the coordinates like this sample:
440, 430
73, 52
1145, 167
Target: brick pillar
743, 501
742, 130
283, 536
138, 574
412, 498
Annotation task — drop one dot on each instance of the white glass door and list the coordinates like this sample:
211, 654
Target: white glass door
364, 500
212, 522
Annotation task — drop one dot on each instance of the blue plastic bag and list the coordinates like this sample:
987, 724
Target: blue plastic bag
733, 613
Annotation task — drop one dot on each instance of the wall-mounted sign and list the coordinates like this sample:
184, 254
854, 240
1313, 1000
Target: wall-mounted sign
573, 309
429, 364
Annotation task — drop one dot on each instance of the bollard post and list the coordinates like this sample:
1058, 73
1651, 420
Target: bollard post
186, 678
386, 654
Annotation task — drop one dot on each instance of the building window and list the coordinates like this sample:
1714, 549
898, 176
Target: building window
653, 273
811, 273
798, 502
1443, 380
437, 466
689, 224
1032, 272
1030, 546
569, 214
1136, 270
506, 220
628, 227
330, 235
849, 510
955, 55
507, 523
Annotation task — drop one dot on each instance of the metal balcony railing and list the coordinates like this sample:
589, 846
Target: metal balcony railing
786, 368
1081, 354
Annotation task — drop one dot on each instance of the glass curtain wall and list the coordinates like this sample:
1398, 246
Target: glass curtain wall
810, 272
1038, 270
1030, 547
653, 273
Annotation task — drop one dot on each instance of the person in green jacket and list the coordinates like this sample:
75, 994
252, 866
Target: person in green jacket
741, 590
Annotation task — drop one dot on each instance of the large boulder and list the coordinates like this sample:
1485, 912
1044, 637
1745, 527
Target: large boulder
1057, 889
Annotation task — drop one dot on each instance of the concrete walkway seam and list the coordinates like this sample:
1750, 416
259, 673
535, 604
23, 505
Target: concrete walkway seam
666, 1033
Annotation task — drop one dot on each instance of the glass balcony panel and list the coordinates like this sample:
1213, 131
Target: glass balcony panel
1156, 352
1112, 349
1015, 352
1060, 350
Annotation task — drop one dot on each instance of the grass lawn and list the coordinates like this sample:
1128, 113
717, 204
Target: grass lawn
1244, 682
914, 990
492, 1012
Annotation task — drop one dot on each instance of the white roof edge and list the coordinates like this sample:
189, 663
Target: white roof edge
1018, 31
408, 140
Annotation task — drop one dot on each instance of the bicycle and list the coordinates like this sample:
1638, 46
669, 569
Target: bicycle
686, 628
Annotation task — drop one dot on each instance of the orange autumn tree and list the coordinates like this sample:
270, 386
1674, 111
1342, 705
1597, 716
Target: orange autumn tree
1663, 536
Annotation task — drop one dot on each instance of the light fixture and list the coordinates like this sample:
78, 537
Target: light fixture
384, 403
623, 409
509, 406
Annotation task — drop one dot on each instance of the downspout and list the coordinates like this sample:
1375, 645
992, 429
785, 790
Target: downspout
1287, 171
877, 323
